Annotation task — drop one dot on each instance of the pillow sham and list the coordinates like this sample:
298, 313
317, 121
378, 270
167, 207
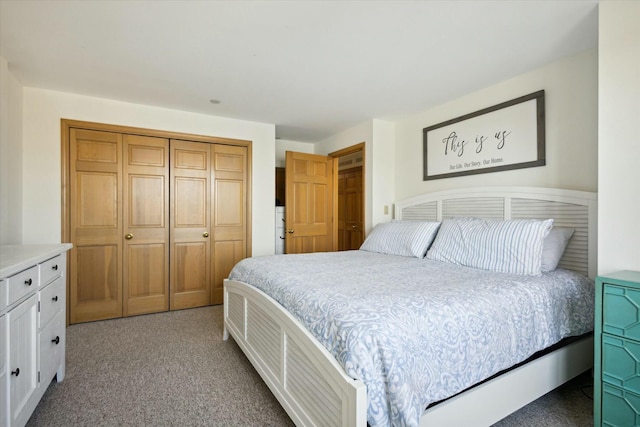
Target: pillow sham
554, 246
509, 246
404, 238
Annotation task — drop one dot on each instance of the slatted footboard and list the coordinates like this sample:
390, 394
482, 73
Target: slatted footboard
305, 378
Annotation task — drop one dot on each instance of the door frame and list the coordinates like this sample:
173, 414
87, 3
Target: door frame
67, 124
344, 152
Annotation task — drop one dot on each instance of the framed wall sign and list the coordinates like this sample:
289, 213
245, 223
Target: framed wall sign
510, 135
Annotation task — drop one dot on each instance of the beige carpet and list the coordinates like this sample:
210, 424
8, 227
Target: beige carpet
173, 369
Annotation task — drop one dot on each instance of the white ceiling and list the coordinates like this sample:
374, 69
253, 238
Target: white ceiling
313, 68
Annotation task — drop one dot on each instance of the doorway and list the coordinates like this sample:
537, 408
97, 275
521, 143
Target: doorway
351, 173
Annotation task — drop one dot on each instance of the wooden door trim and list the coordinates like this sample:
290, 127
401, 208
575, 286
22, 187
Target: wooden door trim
349, 150
343, 152
67, 124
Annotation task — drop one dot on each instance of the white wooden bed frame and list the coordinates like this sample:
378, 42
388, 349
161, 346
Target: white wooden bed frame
313, 388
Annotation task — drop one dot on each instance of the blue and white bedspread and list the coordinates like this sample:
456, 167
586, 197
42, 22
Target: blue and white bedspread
417, 331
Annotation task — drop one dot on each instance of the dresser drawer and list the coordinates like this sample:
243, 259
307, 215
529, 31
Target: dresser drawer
3, 294
50, 269
620, 313
51, 300
620, 365
623, 407
22, 283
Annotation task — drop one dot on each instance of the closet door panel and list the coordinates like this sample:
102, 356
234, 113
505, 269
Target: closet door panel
190, 278
190, 224
146, 279
146, 225
228, 253
95, 219
97, 290
229, 207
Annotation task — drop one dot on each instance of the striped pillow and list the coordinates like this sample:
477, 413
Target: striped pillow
404, 238
510, 246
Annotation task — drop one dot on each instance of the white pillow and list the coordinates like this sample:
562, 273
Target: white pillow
511, 246
553, 247
404, 238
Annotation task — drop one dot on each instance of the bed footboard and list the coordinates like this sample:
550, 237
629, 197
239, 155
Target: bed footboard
305, 378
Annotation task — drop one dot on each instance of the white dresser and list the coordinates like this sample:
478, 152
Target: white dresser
280, 231
32, 326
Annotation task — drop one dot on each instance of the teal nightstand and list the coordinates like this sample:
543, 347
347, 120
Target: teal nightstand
616, 396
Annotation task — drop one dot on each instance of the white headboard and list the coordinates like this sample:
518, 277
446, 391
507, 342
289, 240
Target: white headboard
568, 208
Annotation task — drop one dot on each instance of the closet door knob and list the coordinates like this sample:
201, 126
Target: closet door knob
205, 234
16, 372
290, 231
128, 236
56, 340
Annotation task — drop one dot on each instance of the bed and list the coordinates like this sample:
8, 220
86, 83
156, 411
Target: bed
305, 360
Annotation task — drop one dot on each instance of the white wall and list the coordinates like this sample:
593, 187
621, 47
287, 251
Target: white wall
571, 91
383, 179
618, 133
43, 110
10, 156
282, 146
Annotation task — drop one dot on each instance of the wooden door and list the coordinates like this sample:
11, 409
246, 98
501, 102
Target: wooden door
229, 211
352, 209
190, 221
95, 222
146, 225
310, 183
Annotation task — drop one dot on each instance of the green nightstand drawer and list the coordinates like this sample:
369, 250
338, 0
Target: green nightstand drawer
621, 363
621, 311
622, 407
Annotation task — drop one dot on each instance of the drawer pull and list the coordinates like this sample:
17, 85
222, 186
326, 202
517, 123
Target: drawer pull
28, 282
55, 299
16, 372
56, 340
55, 267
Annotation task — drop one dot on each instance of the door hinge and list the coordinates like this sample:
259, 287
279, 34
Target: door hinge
38, 306
38, 376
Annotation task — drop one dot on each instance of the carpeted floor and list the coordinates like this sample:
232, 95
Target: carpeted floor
173, 369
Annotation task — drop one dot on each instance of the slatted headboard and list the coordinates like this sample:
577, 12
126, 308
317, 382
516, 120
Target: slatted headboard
568, 208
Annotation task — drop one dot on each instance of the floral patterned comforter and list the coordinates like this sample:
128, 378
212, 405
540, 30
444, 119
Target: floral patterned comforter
417, 331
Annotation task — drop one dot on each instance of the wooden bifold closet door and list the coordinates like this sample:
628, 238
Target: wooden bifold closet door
119, 225
156, 223
208, 219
